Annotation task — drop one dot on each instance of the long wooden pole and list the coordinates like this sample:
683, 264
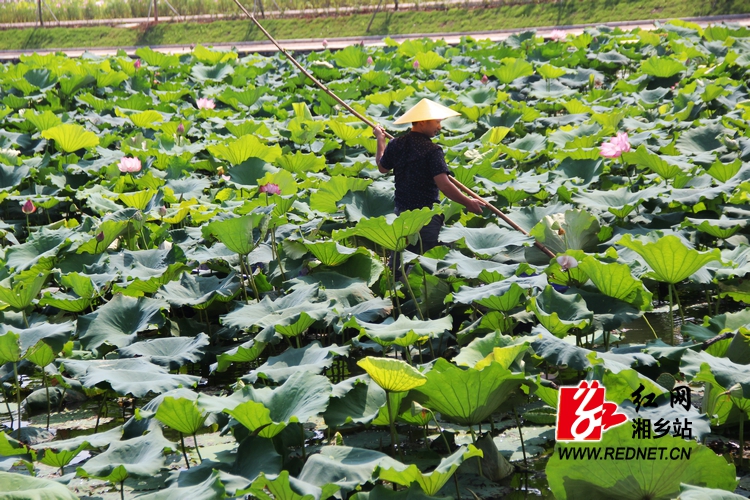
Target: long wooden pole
356, 113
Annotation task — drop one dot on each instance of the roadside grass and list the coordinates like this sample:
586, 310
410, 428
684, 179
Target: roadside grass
565, 12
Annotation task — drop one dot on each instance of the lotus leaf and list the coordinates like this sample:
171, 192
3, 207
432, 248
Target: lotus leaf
669, 258
688, 492
20, 487
344, 466
198, 291
432, 482
404, 331
391, 232
62, 458
311, 359
487, 241
637, 477
70, 137
139, 457
467, 396
119, 321
572, 230
209, 488
182, 415
616, 281
238, 233
560, 313
355, 400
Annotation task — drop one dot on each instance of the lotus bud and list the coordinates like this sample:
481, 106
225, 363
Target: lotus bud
325, 43
369, 60
416, 65
485, 79
28, 207
100, 236
270, 188
180, 129
137, 64
162, 211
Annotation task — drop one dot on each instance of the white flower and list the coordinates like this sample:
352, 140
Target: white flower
567, 262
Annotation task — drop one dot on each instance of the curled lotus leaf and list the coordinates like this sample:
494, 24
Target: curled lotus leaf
392, 374
21, 487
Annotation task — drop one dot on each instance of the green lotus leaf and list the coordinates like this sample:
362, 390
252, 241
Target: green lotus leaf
182, 415
127, 376
326, 197
615, 280
642, 157
504, 356
391, 374
41, 354
243, 148
345, 466
572, 230
636, 477
352, 56
70, 137
404, 331
391, 232
719, 228
291, 314
11, 176
311, 359
10, 348
350, 135
361, 402
301, 397
38, 248
289, 488
43, 121
467, 396
495, 135
110, 78
481, 347
703, 367
429, 60
688, 492
209, 488
432, 482
484, 96
698, 140
244, 353
53, 334
511, 70
662, 67
619, 202
547, 71
170, 352
486, 241
141, 457
669, 258
198, 291
118, 321
111, 230
146, 119
21, 487
240, 234
20, 291
380, 492
722, 172
138, 199
560, 313
300, 163
62, 458
216, 73
330, 253
494, 293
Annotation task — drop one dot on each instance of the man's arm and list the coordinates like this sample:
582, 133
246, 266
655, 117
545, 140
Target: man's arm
452, 192
379, 133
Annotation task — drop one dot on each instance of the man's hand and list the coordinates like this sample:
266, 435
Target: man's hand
379, 132
474, 206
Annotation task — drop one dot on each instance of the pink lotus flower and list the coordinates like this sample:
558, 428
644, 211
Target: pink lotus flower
369, 60
416, 65
270, 188
621, 141
137, 64
204, 103
557, 35
180, 128
129, 165
616, 146
485, 79
28, 207
325, 43
100, 236
567, 262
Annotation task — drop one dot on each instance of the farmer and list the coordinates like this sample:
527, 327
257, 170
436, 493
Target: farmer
419, 168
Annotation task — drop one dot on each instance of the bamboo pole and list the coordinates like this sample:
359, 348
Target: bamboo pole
356, 113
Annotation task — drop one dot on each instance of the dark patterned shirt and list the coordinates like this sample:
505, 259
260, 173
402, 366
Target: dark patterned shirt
415, 161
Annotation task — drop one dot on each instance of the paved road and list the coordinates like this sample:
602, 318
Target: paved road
338, 43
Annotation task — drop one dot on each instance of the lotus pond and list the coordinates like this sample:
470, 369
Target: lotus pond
197, 298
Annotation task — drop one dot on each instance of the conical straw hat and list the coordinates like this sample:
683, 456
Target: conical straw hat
426, 110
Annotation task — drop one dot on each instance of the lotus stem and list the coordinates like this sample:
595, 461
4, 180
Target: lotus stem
393, 281
197, 448
275, 250
605, 334
679, 306
743, 415
18, 398
302, 435
671, 315
242, 279
645, 318
99, 414
122, 490
408, 286
184, 453
520, 433
252, 281
46, 388
7, 405
392, 423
